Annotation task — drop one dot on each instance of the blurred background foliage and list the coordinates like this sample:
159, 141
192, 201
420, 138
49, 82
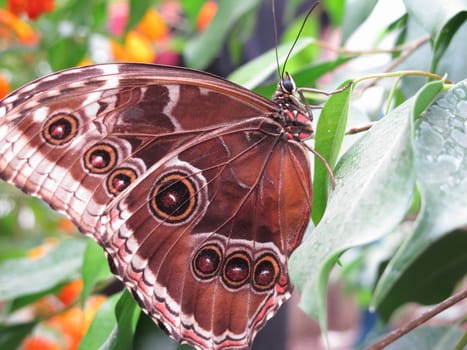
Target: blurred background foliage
53, 280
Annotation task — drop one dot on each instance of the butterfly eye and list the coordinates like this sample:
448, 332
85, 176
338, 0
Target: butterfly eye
207, 262
100, 158
288, 85
236, 270
174, 198
60, 129
120, 179
266, 272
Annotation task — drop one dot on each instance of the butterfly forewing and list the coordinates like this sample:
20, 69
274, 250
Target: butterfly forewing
189, 183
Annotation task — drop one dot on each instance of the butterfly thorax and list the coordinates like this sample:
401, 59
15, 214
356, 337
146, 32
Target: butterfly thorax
293, 115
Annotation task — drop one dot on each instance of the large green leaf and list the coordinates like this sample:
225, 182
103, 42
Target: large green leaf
118, 335
102, 326
433, 17
375, 179
67, 52
149, 336
443, 39
441, 159
19, 277
328, 141
12, 336
95, 267
335, 10
127, 312
200, 51
431, 277
191, 9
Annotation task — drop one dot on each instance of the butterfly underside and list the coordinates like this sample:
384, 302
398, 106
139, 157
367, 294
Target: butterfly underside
197, 189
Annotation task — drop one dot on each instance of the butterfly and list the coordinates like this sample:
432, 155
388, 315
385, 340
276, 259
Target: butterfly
197, 189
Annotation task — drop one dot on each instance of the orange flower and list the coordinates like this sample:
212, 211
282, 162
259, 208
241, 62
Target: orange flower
153, 26
4, 86
139, 48
33, 8
70, 292
39, 343
136, 48
206, 14
65, 224
74, 322
10, 24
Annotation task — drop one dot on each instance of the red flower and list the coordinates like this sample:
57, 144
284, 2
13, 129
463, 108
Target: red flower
33, 8
39, 343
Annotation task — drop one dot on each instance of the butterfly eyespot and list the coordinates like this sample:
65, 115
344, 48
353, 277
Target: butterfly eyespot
174, 198
100, 158
265, 272
60, 129
120, 179
236, 271
207, 261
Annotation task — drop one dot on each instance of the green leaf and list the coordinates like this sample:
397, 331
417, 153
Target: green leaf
149, 336
444, 37
441, 159
66, 52
127, 312
374, 184
95, 267
102, 326
432, 277
200, 51
435, 16
12, 336
426, 96
138, 9
19, 277
23, 301
191, 9
255, 72
330, 133
335, 9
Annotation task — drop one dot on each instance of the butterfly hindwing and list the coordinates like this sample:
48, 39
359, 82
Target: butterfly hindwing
185, 179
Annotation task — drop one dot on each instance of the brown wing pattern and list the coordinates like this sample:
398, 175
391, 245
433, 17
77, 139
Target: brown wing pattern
185, 179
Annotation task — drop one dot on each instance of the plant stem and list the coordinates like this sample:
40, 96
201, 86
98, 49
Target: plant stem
396, 334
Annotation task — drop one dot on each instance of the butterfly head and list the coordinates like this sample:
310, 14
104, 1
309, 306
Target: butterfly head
295, 116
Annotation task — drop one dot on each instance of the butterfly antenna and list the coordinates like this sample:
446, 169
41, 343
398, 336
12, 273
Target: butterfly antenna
274, 21
298, 36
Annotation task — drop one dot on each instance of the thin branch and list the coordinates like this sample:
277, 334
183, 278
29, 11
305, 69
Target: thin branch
346, 52
396, 334
413, 47
359, 129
